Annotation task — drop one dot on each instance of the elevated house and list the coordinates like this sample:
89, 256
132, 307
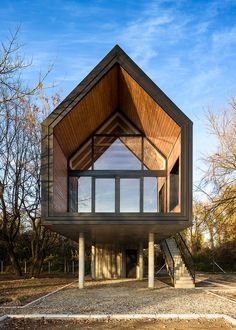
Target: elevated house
117, 172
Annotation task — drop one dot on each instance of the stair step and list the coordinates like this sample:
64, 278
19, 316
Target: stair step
182, 275
183, 278
180, 265
181, 270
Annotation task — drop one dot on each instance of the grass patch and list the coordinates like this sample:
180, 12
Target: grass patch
23, 291
4, 300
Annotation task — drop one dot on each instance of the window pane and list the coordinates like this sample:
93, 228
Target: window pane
134, 145
150, 194
84, 194
105, 195
116, 154
152, 159
129, 195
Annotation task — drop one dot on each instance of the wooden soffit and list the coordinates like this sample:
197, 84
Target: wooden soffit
117, 90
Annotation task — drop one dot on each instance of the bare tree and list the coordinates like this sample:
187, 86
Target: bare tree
41, 238
195, 234
20, 117
12, 66
13, 157
219, 181
221, 172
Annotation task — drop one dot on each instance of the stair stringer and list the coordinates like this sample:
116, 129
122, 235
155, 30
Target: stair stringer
180, 275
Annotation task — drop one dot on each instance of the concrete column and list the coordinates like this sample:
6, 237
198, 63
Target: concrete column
81, 260
151, 260
137, 270
93, 262
123, 263
118, 261
100, 262
140, 261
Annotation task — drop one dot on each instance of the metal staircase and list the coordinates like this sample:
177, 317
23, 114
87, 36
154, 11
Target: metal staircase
179, 262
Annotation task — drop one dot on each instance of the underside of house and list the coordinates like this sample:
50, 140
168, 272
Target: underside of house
117, 172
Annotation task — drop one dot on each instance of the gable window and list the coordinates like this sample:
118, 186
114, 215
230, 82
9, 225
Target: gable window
116, 173
117, 155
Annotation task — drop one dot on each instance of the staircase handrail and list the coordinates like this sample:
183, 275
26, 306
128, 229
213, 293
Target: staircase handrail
186, 246
189, 263
172, 270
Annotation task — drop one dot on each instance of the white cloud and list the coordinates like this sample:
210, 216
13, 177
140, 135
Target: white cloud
139, 36
223, 40
142, 36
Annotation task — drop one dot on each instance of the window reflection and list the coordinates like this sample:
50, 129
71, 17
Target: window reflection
123, 194
129, 195
105, 195
84, 194
116, 155
150, 194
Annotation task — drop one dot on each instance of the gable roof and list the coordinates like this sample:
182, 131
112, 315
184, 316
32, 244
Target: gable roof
116, 83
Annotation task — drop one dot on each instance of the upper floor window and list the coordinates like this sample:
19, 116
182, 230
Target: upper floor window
117, 171
118, 152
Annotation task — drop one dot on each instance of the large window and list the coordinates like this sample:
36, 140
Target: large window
116, 174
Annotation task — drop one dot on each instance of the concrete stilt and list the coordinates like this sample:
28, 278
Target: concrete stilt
81, 260
140, 261
93, 262
151, 260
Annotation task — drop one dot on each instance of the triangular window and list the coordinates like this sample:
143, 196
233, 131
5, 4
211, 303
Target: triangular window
117, 155
118, 145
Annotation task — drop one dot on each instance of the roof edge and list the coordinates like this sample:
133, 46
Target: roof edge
114, 52
118, 56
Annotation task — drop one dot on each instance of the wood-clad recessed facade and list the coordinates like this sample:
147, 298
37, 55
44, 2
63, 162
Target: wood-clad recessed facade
116, 162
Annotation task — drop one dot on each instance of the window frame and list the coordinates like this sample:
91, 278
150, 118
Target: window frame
121, 174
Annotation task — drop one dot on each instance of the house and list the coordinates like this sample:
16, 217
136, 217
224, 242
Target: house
117, 172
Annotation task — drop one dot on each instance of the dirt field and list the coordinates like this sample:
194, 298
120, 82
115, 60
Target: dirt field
118, 325
17, 292
221, 284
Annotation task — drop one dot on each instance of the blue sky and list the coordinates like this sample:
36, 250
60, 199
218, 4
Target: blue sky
188, 48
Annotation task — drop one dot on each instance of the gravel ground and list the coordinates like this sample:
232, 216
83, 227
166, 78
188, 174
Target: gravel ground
129, 297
